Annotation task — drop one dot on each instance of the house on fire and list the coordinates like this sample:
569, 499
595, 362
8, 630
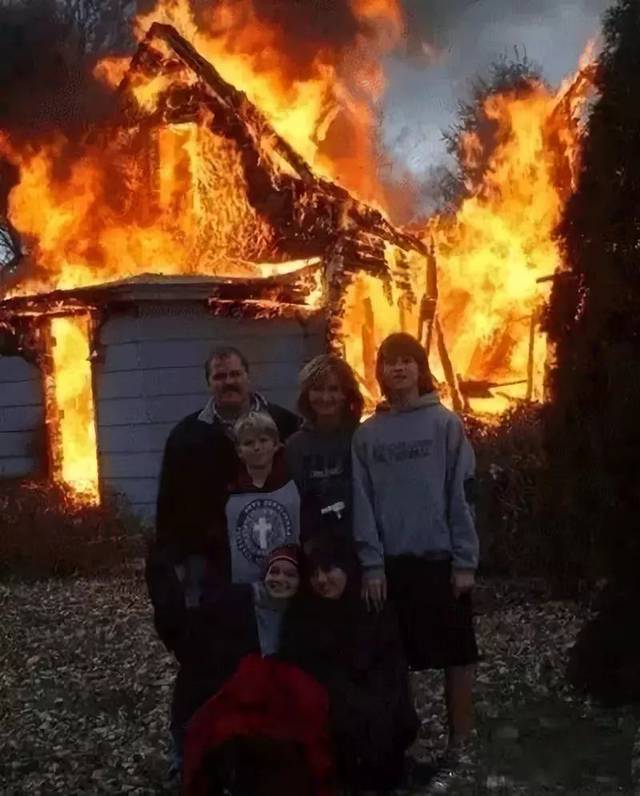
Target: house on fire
149, 334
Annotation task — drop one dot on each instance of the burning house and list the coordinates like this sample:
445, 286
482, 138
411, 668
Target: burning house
197, 213
98, 363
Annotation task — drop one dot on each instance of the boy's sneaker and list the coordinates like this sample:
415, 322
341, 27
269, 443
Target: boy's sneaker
417, 774
458, 765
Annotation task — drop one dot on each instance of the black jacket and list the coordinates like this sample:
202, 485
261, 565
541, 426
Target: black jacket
358, 656
199, 463
320, 463
206, 622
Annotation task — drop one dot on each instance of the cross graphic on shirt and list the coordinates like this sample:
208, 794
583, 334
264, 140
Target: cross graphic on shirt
262, 528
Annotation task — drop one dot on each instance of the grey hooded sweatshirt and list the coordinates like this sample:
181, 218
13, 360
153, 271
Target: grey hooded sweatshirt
413, 472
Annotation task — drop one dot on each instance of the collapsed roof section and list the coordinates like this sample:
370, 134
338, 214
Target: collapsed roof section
309, 215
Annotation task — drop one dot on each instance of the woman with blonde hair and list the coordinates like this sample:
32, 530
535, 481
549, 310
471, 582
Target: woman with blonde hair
319, 455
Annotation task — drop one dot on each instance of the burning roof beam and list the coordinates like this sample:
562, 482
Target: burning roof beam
310, 209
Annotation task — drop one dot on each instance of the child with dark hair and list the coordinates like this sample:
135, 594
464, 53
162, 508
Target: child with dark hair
358, 656
268, 713
413, 477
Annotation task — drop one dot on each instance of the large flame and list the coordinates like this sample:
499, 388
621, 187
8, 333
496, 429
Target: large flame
310, 100
168, 194
71, 414
174, 200
485, 342
501, 242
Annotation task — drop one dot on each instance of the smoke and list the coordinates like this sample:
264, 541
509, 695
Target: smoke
301, 29
441, 23
46, 80
45, 72
451, 42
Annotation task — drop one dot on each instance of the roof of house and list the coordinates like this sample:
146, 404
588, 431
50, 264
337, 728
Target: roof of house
316, 220
294, 287
309, 213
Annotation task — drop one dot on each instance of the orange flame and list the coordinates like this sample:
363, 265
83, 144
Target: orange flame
490, 256
326, 108
502, 240
169, 197
71, 414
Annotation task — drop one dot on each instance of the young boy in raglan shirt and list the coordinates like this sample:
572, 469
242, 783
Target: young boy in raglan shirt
262, 511
413, 471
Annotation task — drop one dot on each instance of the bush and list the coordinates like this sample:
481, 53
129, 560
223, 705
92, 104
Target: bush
511, 464
45, 531
525, 528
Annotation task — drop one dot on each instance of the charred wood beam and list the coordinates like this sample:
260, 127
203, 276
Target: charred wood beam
531, 356
559, 276
236, 117
369, 346
227, 94
292, 288
447, 367
429, 302
478, 388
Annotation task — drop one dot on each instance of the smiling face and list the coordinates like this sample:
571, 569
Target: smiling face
282, 579
327, 399
329, 583
257, 449
229, 383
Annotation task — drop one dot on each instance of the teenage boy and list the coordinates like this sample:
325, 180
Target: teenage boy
413, 472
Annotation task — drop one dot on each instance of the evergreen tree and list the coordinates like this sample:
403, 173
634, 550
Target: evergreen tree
593, 433
518, 76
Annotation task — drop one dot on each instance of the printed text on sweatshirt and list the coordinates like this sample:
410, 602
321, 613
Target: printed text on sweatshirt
413, 474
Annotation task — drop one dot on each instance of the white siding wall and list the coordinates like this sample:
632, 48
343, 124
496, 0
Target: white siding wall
151, 375
21, 418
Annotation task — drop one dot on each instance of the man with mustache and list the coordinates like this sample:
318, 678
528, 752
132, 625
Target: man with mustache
200, 458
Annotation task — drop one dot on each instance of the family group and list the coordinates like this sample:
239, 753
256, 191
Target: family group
303, 566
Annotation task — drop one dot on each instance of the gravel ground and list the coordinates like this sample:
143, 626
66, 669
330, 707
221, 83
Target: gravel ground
84, 690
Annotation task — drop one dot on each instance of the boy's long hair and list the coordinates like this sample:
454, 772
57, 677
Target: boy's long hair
403, 345
316, 371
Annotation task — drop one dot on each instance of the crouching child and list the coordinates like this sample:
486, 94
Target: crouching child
357, 655
266, 730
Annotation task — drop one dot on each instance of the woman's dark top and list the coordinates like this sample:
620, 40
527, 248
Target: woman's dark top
320, 463
358, 656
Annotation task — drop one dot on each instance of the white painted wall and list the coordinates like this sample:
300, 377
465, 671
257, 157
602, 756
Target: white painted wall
151, 376
22, 430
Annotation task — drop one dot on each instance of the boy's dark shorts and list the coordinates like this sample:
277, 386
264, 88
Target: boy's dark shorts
437, 629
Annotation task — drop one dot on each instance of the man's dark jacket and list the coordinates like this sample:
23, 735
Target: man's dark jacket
199, 463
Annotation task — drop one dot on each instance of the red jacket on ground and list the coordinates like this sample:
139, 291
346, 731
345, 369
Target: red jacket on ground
269, 698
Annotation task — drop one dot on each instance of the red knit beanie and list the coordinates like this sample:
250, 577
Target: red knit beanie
288, 552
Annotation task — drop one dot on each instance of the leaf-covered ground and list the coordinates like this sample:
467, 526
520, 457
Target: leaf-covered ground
84, 690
